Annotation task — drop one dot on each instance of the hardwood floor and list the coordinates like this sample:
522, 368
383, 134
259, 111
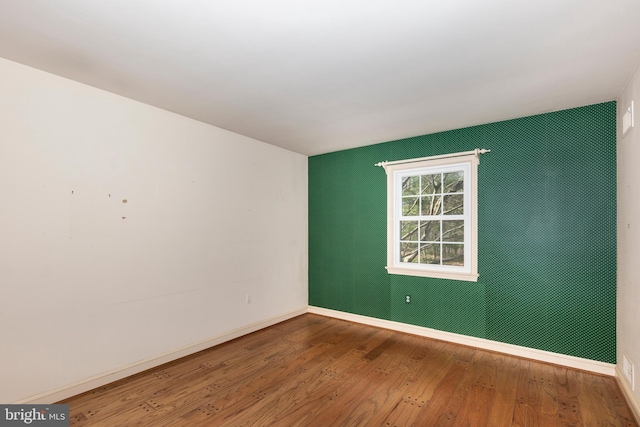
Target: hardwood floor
317, 371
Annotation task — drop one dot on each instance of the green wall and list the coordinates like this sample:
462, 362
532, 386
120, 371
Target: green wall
546, 227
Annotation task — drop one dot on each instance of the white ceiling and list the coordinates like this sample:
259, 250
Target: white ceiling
322, 75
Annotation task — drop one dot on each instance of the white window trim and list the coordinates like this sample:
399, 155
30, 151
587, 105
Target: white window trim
393, 169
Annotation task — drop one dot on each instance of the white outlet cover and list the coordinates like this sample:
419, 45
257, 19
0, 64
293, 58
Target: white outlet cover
628, 371
627, 119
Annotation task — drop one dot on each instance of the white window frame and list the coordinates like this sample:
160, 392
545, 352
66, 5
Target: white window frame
395, 172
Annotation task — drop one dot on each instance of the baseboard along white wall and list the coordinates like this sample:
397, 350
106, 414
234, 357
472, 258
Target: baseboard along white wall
628, 393
135, 368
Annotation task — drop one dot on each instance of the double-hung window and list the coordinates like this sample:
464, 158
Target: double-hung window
432, 217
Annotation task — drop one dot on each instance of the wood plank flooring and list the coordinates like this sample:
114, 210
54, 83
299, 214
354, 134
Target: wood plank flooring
318, 371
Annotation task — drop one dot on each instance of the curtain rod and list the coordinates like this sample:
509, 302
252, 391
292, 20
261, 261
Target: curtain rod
477, 153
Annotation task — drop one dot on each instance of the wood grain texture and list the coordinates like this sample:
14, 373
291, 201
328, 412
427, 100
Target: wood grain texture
317, 371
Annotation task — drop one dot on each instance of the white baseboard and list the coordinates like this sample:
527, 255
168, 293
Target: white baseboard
135, 368
514, 350
88, 384
628, 394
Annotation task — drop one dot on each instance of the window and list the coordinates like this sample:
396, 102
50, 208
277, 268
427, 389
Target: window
432, 216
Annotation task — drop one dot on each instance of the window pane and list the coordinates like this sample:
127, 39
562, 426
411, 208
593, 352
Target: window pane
411, 186
409, 230
430, 253
431, 205
453, 231
431, 184
410, 206
454, 205
452, 254
430, 231
409, 252
454, 182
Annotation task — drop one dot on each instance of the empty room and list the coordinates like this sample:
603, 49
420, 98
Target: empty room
320, 213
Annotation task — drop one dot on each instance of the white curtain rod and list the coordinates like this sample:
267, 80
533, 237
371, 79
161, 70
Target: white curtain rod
477, 153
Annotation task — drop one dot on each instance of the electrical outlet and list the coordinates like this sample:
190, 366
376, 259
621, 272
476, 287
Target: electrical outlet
248, 298
627, 120
407, 299
628, 371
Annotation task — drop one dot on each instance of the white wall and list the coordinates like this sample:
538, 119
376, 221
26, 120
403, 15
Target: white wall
629, 237
90, 284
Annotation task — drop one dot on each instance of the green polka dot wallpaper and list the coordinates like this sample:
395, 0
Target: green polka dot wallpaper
546, 235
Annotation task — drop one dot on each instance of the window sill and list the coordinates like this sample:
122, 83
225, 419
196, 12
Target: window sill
467, 277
